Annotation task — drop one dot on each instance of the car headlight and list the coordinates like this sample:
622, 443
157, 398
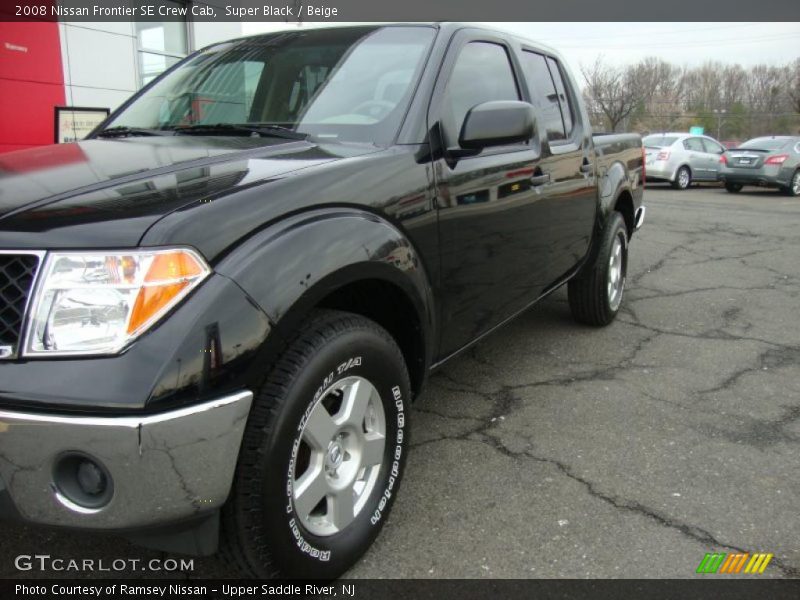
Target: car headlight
97, 302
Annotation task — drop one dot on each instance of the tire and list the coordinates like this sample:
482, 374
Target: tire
683, 178
734, 188
590, 297
269, 527
794, 186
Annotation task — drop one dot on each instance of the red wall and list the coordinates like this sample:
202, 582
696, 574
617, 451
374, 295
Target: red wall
31, 83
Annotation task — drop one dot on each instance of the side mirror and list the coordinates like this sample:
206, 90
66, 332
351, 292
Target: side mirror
497, 123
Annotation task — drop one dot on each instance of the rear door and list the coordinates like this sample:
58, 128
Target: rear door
568, 158
697, 158
492, 210
713, 152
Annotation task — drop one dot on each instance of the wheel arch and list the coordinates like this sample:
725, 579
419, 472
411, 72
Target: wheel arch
624, 205
678, 168
344, 259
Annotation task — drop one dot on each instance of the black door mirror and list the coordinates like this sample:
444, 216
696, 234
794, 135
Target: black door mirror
497, 123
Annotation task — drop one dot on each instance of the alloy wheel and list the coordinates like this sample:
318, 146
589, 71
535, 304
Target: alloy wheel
683, 178
340, 455
616, 273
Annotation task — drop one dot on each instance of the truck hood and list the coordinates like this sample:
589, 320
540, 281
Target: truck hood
108, 192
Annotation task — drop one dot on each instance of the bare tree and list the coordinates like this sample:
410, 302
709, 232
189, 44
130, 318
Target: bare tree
793, 84
610, 90
764, 96
662, 88
704, 87
733, 86
654, 95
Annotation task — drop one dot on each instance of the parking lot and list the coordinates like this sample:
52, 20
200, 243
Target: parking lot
555, 450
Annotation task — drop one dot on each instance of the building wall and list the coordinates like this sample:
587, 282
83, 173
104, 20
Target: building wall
31, 83
44, 65
99, 63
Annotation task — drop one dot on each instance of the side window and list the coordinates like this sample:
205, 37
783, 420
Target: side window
544, 95
712, 147
693, 144
482, 72
563, 99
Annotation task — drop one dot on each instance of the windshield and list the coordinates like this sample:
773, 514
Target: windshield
659, 141
350, 84
766, 143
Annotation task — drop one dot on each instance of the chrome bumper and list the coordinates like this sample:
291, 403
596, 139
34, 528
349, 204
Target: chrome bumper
161, 468
638, 220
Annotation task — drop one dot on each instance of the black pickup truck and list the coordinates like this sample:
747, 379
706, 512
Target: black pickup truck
216, 311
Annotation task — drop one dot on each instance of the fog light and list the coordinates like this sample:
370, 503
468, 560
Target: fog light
90, 478
82, 482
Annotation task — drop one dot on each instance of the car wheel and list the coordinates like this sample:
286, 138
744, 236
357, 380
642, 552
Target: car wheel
683, 179
595, 295
322, 454
733, 188
794, 186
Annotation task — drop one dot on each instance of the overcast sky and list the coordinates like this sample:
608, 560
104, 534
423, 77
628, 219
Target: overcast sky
620, 43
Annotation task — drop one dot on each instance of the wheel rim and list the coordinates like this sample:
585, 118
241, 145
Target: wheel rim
796, 184
339, 457
683, 178
616, 273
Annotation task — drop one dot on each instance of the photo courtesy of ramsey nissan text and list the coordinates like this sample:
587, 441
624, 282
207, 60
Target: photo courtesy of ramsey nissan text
359, 299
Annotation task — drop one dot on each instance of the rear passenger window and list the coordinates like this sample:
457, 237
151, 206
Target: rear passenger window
563, 99
544, 95
694, 144
712, 147
482, 73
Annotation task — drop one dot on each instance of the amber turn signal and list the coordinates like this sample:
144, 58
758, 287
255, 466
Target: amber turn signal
167, 277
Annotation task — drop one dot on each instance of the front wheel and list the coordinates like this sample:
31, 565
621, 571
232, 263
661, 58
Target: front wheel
323, 452
733, 188
683, 179
595, 295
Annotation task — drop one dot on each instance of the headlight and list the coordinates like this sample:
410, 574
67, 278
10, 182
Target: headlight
97, 302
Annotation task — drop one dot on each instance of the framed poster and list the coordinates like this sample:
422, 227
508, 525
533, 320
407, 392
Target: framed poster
74, 123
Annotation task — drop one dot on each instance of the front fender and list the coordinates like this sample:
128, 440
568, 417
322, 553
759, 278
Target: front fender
291, 266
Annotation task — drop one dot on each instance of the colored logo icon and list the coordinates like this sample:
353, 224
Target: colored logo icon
721, 562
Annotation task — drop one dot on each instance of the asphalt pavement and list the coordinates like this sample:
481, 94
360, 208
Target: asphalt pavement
552, 449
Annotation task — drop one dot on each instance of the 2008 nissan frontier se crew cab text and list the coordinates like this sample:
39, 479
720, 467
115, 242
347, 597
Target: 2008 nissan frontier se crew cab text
216, 311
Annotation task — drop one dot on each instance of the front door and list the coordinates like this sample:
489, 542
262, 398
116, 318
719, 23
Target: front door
492, 206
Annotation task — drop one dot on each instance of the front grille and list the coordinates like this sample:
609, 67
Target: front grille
17, 272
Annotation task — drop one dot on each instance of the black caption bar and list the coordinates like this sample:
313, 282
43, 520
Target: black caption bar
455, 589
407, 10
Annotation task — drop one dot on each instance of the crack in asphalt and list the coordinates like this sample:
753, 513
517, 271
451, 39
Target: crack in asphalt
505, 401
732, 326
772, 358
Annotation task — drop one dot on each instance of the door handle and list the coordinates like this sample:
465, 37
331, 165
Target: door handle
587, 168
540, 179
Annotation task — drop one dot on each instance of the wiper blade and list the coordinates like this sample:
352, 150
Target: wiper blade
123, 131
255, 130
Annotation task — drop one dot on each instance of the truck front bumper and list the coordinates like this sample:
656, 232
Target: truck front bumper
120, 473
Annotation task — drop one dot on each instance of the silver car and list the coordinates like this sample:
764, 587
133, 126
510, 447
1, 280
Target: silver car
681, 158
765, 161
